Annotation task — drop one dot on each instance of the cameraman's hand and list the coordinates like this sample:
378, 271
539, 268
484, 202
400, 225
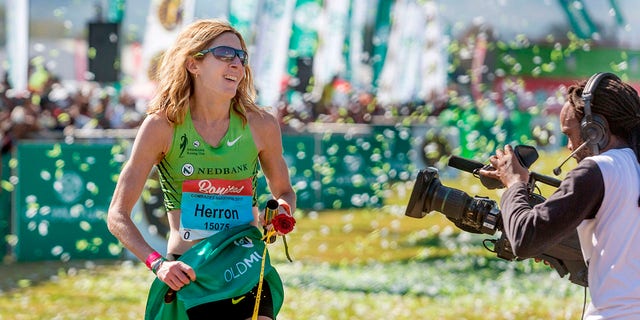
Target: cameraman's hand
507, 168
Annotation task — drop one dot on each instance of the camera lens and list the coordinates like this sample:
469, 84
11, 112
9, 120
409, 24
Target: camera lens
430, 195
476, 215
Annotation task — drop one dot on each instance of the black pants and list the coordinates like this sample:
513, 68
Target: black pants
235, 308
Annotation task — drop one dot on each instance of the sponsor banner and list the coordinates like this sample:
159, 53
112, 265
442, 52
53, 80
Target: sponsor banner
61, 201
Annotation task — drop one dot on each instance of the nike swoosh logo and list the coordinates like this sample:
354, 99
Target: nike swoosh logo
236, 300
230, 143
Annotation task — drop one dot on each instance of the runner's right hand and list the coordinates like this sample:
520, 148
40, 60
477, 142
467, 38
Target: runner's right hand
176, 274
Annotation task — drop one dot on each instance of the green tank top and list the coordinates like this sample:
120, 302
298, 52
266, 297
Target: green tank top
191, 158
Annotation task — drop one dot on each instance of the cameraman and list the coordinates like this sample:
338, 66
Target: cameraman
600, 197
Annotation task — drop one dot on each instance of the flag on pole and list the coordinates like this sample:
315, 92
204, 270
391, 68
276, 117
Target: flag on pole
302, 47
329, 59
380, 38
269, 57
242, 16
413, 70
18, 43
165, 20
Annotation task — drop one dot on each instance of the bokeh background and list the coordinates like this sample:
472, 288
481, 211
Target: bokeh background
367, 92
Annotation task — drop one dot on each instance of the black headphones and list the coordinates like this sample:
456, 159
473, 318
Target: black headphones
593, 127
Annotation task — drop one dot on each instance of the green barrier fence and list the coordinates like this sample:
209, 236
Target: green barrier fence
5, 203
61, 201
299, 155
338, 167
61, 197
60, 192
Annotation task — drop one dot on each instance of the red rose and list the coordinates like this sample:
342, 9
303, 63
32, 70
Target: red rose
283, 223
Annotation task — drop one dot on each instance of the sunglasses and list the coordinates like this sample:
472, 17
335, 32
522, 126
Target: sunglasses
226, 54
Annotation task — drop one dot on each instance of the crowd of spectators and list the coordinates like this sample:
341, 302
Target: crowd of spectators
51, 109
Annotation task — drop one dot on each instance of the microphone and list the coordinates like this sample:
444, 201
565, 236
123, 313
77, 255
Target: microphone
463, 164
558, 169
472, 167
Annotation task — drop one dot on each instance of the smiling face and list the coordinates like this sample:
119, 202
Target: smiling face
219, 77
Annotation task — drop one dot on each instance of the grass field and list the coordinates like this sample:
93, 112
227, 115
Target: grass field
348, 264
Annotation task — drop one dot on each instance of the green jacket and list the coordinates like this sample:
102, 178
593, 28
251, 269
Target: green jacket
227, 265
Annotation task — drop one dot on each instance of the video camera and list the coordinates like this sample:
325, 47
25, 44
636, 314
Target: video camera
481, 214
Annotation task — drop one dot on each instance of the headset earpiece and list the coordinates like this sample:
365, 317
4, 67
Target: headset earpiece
594, 127
596, 132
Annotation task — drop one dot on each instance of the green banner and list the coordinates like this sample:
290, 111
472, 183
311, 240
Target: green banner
557, 62
304, 33
61, 201
304, 36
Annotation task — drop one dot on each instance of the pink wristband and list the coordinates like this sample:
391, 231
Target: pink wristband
151, 258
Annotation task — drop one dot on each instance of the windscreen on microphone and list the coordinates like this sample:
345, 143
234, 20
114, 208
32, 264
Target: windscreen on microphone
463, 164
472, 167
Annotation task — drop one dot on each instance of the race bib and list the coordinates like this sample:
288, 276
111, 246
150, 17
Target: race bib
213, 205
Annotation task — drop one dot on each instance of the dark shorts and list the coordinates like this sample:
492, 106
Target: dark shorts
240, 307
236, 308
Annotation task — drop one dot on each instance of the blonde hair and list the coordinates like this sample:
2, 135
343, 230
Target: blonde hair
175, 83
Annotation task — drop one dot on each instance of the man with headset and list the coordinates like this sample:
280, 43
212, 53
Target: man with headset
600, 197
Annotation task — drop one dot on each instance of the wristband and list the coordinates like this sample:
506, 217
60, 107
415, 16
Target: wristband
151, 258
